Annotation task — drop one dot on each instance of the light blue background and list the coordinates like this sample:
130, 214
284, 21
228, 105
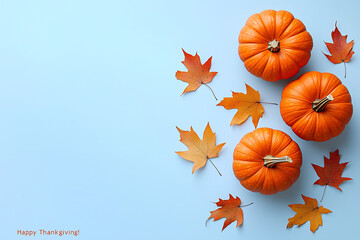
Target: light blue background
89, 103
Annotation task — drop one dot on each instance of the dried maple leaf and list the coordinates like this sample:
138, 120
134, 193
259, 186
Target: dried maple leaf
340, 50
247, 105
310, 211
197, 73
199, 151
331, 173
229, 209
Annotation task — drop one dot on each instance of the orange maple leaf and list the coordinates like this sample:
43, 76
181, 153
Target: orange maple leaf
247, 105
331, 173
340, 50
197, 73
199, 151
310, 211
229, 209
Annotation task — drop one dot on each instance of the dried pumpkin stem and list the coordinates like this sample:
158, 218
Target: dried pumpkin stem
319, 104
271, 161
274, 46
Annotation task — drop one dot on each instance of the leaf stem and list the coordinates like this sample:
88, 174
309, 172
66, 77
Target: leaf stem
345, 68
247, 204
269, 103
214, 166
322, 197
212, 92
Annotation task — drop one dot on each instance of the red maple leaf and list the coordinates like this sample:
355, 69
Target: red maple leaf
197, 73
340, 50
331, 173
229, 209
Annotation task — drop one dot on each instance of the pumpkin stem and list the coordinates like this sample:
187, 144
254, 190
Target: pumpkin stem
271, 161
274, 46
319, 104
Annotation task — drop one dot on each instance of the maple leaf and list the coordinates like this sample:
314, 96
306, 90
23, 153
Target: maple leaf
340, 50
247, 105
197, 73
199, 151
310, 211
331, 173
229, 209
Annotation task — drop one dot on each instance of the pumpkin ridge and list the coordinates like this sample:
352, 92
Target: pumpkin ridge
290, 57
257, 31
247, 65
277, 152
305, 118
280, 15
287, 176
317, 86
253, 54
274, 17
284, 55
252, 160
269, 36
284, 46
279, 63
252, 149
294, 118
309, 90
279, 185
268, 141
268, 179
317, 116
259, 178
250, 34
281, 35
267, 62
256, 154
333, 115
293, 33
292, 144
294, 97
328, 87
247, 178
327, 128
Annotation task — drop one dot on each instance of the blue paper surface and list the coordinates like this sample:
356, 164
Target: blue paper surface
89, 103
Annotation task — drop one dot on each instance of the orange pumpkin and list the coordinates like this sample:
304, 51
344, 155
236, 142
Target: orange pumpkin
267, 161
274, 45
317, 106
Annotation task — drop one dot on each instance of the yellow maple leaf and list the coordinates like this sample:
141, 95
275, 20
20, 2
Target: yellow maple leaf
199, 151
247, 105
310, 211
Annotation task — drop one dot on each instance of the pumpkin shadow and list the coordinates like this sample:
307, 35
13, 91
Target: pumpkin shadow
337, 142
282, 83
290, 195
